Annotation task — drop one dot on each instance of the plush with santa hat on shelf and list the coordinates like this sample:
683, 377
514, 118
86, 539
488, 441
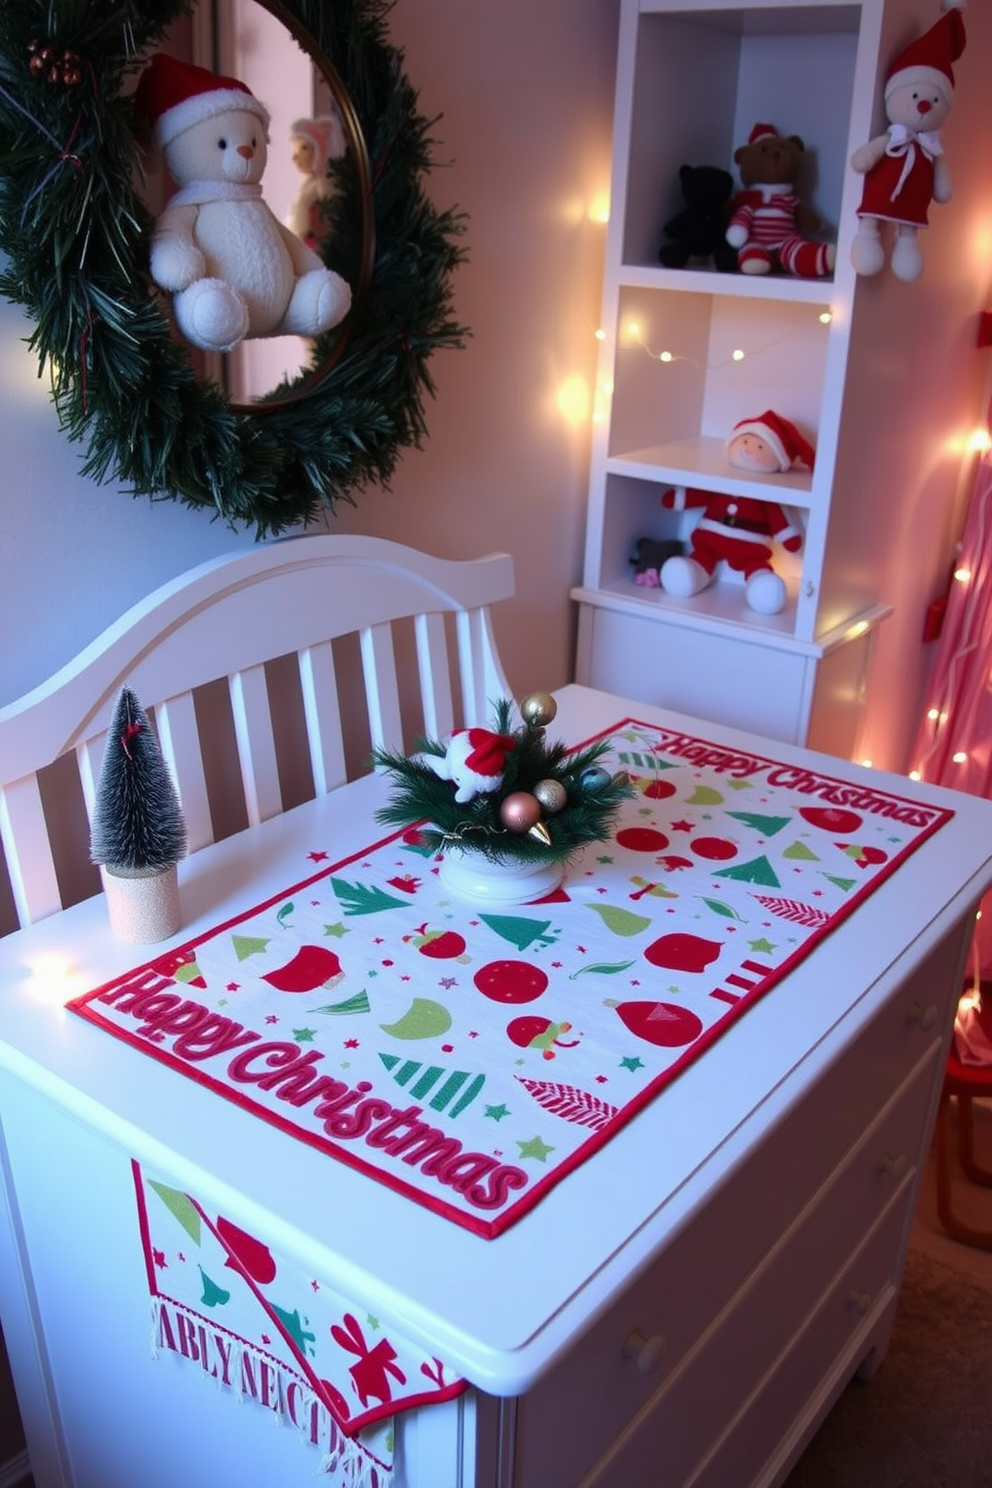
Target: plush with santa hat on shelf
770, 226
741, 531
233, 269
905, 168
314, 144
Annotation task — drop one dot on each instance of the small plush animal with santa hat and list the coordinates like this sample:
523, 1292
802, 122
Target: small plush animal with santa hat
741, 531
905, 168
314, 144
233, 269
474, 759
770, 226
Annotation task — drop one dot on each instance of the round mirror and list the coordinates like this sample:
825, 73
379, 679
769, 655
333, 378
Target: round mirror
156, 414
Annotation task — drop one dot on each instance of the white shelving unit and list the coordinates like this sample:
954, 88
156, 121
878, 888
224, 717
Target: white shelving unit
693, 79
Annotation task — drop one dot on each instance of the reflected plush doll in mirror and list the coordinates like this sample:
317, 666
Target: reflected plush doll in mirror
232, 268
314, 143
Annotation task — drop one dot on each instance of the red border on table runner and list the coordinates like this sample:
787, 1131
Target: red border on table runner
727, 764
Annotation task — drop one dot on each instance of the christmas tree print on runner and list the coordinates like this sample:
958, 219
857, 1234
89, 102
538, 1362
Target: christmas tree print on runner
521, 932
454, 1090
363, 899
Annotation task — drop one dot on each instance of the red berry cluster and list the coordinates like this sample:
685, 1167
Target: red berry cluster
54, 66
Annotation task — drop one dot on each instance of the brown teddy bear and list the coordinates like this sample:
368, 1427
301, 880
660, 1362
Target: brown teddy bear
770, 227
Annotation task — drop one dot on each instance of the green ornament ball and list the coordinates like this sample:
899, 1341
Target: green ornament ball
538, 709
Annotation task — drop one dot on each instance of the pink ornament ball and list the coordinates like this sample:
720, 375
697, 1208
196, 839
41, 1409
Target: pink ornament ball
520, 811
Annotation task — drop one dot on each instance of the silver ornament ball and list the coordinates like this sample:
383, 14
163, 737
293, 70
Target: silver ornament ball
552, 796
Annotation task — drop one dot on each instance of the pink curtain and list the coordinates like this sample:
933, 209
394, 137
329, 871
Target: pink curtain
954, 743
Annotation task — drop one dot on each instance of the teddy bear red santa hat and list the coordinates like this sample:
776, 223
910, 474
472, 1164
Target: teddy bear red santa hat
781, 436
928, 59
172, 96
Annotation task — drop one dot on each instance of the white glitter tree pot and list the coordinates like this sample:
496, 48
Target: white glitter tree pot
143, 903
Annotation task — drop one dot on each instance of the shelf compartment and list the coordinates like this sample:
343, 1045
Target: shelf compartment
717, 71
690, 366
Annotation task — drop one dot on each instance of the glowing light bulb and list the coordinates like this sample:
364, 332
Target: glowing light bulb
665, 356
573, 400
933, 714
915, 775
868, 764
962, 575
979, 441
959, 757
825, 317
600, 334
633, 330
738, 356
857, 629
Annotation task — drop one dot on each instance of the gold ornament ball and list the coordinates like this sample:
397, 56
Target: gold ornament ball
552, 796
520, 811
538, 708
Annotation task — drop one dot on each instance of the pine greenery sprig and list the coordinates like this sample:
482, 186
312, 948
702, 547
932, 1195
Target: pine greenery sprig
137, 820
75, 231
421, 798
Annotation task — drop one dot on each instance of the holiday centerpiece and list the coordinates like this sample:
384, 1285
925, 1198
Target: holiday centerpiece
505, 808
138, 834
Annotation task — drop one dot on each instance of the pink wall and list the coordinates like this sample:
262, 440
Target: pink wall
525, 92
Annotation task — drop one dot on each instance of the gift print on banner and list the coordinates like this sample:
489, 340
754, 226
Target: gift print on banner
259, 1326
470, 1059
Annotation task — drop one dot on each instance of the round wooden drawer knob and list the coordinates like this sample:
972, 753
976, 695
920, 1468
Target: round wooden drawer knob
646, 1352
893, 1167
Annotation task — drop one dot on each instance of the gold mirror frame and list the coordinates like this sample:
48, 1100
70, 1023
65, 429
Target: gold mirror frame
75, 232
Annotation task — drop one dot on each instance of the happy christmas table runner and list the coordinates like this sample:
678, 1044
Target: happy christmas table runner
470, 1057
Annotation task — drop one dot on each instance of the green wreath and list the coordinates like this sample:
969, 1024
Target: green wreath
75, 231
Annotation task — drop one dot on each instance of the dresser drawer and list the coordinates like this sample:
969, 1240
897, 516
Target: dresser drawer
704, 1337
854, 1312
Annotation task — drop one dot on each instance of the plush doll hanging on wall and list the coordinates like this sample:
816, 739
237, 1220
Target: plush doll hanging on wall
232, 268
905, 169
314, 144
739, 530
771, 227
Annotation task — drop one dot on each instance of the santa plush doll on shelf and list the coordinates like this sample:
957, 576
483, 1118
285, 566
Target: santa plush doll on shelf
905, 168
740, 531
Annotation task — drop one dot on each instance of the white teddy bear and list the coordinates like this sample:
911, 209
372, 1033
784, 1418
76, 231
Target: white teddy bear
233, 270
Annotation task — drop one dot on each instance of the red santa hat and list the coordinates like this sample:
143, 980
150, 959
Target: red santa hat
928, 59
782, 437
762, 131
172, 96
486, 752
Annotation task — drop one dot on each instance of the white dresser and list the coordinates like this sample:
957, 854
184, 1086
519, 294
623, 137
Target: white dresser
682, 1309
